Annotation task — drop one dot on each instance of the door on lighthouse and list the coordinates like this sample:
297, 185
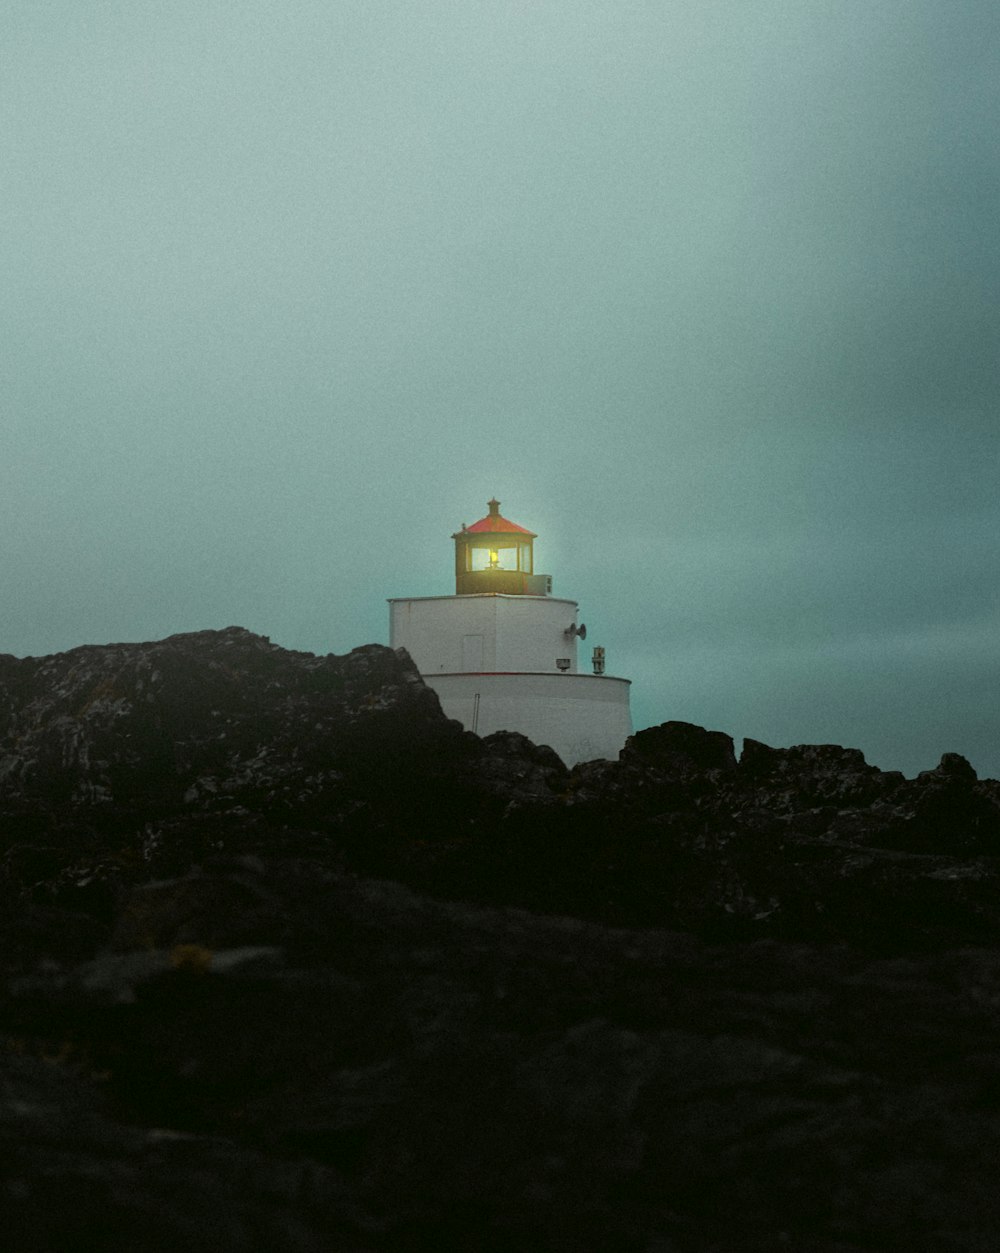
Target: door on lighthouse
472, 652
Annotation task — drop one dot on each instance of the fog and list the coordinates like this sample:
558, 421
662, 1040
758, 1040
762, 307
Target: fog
706, 295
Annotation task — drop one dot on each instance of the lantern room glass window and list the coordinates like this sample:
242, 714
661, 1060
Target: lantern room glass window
500, 557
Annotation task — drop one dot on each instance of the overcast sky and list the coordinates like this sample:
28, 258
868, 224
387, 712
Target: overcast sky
707, 293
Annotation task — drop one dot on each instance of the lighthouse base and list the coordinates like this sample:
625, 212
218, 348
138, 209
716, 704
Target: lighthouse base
581, 716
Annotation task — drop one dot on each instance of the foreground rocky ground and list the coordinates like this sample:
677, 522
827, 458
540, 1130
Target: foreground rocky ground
292, 962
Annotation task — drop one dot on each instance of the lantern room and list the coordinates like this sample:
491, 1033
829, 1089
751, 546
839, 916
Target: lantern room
495, 555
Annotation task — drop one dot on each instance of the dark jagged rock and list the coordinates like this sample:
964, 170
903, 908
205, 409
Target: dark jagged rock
951, 766
218, 1019
518, 770
681, 748
810, 775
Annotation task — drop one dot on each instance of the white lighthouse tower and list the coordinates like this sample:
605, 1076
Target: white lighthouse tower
502, 652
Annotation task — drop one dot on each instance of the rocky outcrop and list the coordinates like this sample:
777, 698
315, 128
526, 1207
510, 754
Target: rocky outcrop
132, 762
290, 957
206, 719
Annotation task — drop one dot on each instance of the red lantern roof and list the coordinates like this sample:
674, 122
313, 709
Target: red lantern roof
495, 522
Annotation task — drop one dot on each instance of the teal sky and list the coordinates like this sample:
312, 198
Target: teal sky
708, 294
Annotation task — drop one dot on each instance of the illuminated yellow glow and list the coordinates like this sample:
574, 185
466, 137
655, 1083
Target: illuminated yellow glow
494, 559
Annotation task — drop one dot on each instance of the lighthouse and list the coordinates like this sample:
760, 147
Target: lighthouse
502, 653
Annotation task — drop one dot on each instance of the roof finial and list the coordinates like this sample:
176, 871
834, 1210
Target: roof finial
494, 505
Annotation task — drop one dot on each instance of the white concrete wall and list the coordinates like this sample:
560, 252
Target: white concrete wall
450, 634
582, 716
